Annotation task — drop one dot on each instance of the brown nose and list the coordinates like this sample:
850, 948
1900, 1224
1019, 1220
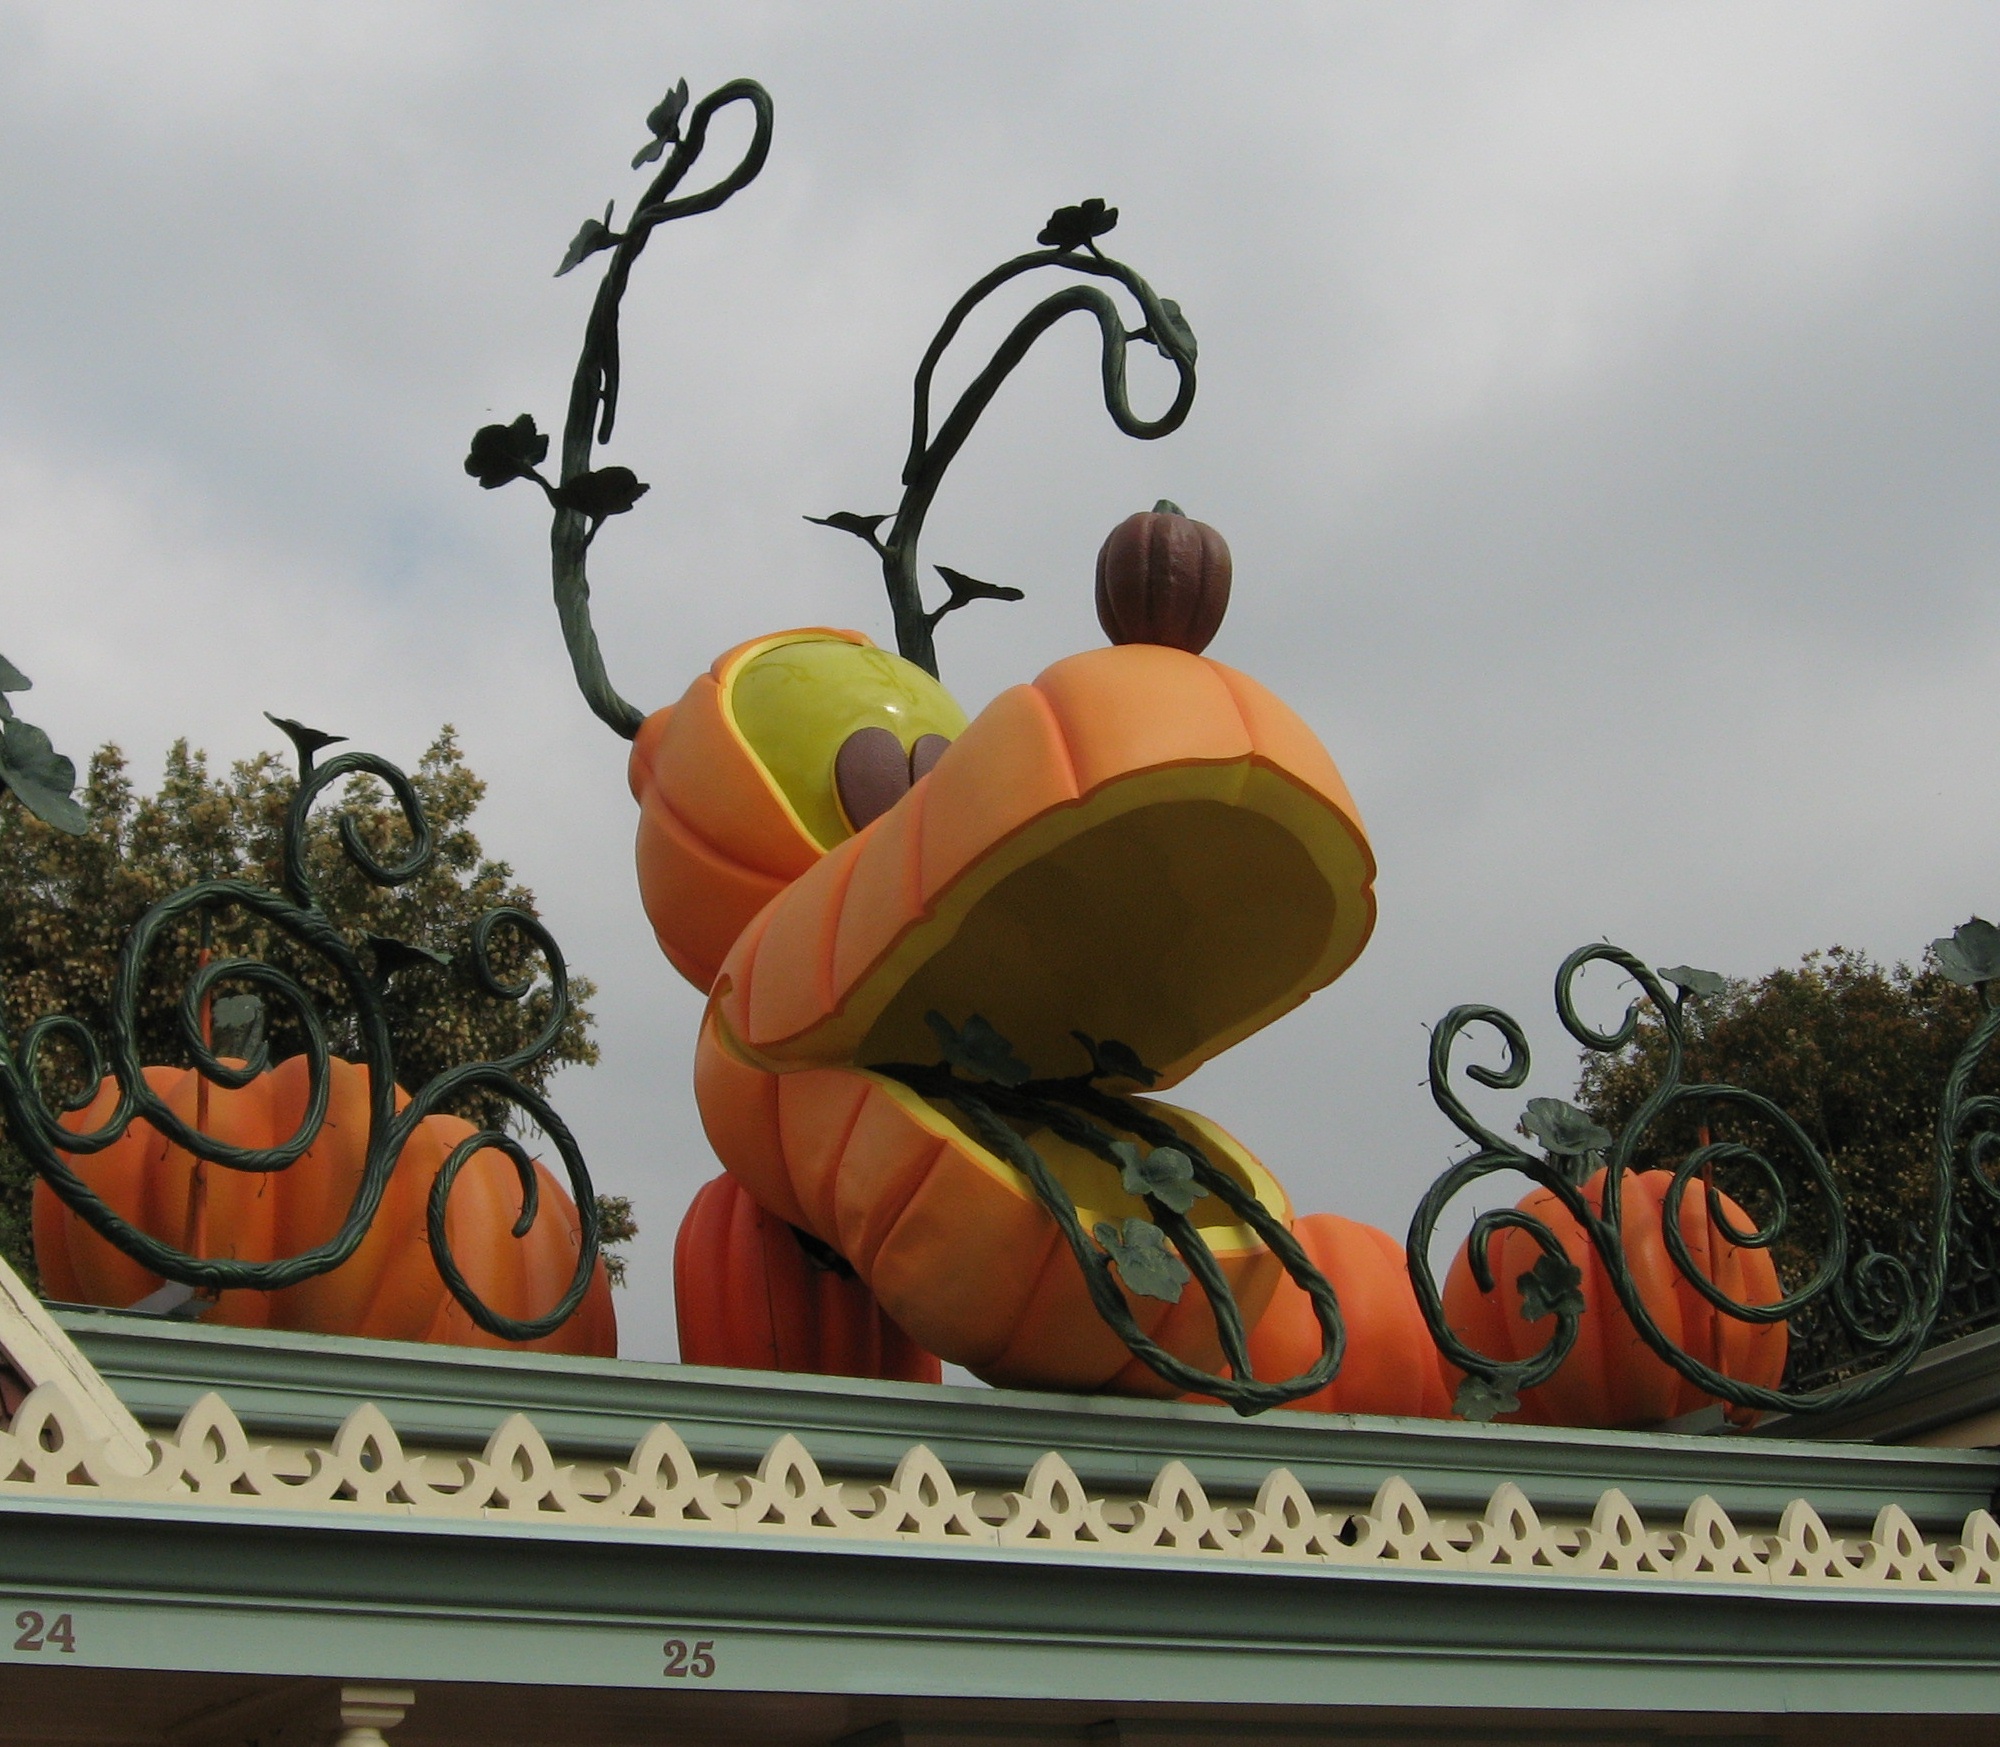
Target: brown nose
871, 772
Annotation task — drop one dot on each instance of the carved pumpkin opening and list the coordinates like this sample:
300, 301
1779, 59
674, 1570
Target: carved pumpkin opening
1166, 926
797, 703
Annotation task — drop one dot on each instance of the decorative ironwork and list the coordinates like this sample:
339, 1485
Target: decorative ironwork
38, 776
1885, 1305
585, 497
1069, 241
982, 1079
35, 1115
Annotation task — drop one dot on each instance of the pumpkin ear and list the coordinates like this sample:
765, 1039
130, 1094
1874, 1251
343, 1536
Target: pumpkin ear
929, 748
871, 774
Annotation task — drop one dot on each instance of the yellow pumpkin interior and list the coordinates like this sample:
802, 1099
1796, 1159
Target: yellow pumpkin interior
1176, 911
797, 699
1095, 1185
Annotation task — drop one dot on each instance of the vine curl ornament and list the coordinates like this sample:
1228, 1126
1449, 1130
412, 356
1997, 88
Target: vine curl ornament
1166, 1169
34, 1113
1069, 242
1886, 1306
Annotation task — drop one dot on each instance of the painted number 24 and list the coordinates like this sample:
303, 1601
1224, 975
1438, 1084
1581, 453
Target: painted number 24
681, 1663
37, 1632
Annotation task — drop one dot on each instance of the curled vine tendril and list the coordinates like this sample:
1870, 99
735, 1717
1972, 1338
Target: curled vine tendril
1071, 235
35, 1113
1887, 1306
584, 497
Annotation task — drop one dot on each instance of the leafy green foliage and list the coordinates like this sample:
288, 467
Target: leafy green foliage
1165, 1173
1147, 1266
1970, 954
1563, 1130
501, 453
664, 124
596, 234
1553, 1285
978, 1050
605, 491
1070, 227
72, 899
1855, 1052
37, 775
1483, 1398
1701, 985
1112, 1060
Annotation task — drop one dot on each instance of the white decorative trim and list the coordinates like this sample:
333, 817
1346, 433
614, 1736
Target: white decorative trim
52, 1451
37, 1349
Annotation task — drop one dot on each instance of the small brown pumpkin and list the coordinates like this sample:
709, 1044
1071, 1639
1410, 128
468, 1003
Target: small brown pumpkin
1163, 577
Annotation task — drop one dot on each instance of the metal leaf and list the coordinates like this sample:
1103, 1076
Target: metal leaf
308, 743
1070, 227
1701, 985
1971, 954
500, 453
1551, 1287
1165, 1173
664, 124
236, 1026
1112, 1060
1140, 1254
596, 234
605, 491
851, 522
978, 1049
1484, 1398
395, 956
1563, 1129
41, 777
966, 589
1171, 333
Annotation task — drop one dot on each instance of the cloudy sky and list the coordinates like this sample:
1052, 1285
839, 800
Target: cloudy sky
1601, 402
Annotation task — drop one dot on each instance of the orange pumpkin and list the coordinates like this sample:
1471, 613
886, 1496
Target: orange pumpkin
390, 1287
1391, 1366
1143, 844
1611, 1377
735, 782
747, 1295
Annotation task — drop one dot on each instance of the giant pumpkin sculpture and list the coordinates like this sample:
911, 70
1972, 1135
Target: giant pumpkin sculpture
390, 1287
1143, 844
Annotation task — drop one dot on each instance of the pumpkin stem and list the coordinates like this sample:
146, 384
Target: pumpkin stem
1167, 507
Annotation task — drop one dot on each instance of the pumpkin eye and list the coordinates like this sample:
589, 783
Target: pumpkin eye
871, 773
925, 753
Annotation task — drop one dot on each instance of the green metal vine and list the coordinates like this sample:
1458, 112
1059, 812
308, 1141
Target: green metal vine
1887, 1307
1155, 1257
1069, 242
35, 1114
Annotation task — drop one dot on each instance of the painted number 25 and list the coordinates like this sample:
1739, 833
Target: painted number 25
37, 1632
681, 1663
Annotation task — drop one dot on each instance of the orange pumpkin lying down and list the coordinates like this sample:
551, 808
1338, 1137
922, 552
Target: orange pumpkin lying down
1391, 1365
390, 1287
1143, 845
1611, 1377
748, 1295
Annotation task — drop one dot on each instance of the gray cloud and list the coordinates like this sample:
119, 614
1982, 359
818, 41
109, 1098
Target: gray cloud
1600, 403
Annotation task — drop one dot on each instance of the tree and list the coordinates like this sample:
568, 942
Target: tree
1856, 1053
72, 898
